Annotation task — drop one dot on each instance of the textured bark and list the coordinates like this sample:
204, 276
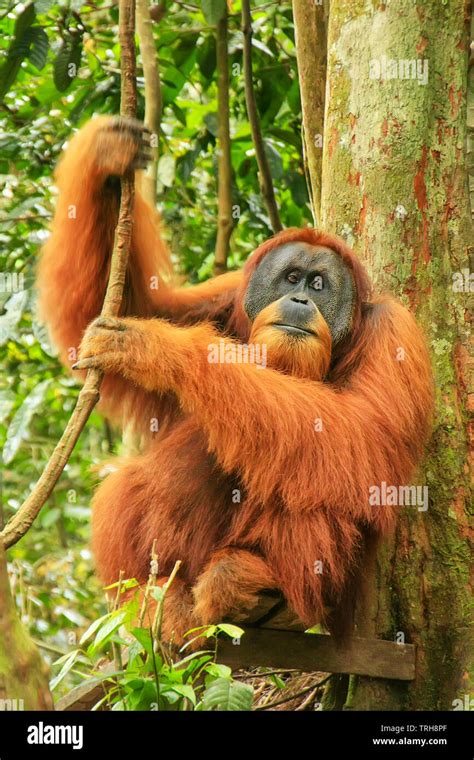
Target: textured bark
224, 164
395, 187
311, 50
153, 96
23, 674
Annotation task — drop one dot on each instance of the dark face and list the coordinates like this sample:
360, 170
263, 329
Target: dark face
308, 279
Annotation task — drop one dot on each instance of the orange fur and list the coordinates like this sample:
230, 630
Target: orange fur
301, 453
310, 358
74, 266
229, 585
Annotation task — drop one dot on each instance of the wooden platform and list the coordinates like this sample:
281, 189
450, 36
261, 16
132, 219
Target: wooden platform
317, 652
274, 638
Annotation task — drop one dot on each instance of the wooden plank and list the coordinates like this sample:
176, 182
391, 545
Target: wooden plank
83, 697
318, 652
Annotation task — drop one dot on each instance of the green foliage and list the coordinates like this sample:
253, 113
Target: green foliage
224, 694
213, 10
153, 676
67, 62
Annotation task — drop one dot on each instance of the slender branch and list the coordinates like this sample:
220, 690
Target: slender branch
89, 395
224, 182
116, 649
158, 620
279, 671
264, 173
150, 583
153, 96
311, 52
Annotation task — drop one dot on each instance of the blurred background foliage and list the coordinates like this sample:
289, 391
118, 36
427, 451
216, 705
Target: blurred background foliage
40, 107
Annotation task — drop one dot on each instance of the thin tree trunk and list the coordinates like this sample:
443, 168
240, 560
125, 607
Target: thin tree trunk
264, 173
23, 674
153, 97
311, 51
224, 165
395, 186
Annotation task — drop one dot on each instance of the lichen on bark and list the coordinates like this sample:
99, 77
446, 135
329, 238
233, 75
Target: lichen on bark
394, 185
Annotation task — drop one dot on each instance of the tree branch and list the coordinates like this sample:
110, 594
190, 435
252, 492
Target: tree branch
153, 96
311, 53
264, 173
224, 216
89, 395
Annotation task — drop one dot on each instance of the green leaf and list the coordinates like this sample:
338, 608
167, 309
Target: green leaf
114, 621
38, 46
184, 690
227, 695
206, 57
275, 161
7, 402
297, 186
260, 46
67, 62
68, 663
211, 120
231, 630
213, 10
18, 50
18, 427
143, 636
142, 699
291, 138
24, 20
92, 629
279, 682
43, 5
214, 670
186, 163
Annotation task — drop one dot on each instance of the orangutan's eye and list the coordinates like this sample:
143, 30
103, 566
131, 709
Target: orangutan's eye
293, 277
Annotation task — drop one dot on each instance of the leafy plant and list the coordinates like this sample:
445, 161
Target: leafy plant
153, 675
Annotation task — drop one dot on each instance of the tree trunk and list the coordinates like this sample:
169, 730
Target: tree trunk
394, 186
153, 95
310, 18
23, 675
224, 162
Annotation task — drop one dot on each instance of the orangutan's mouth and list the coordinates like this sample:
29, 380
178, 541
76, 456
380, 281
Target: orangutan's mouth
293, 330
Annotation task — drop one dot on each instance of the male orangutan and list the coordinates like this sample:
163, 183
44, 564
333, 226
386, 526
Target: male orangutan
342, 404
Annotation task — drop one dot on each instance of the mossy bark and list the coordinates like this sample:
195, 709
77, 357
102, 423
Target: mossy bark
23, 674
395, 187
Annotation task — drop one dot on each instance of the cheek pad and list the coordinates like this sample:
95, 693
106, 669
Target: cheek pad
260, 294
337, 306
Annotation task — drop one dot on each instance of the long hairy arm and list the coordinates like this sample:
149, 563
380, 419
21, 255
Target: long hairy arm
305, 442
74, 265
